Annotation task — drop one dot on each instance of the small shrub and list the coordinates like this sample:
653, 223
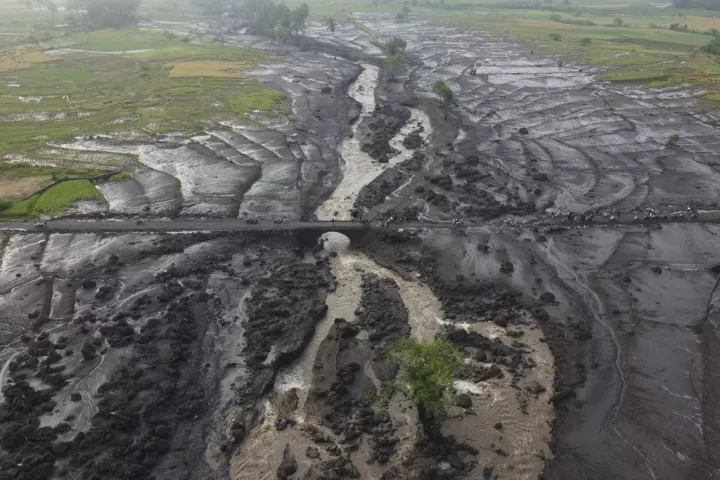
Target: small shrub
674, 138
556, 37
585, 41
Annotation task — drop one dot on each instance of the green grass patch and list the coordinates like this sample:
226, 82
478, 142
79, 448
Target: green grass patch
114, 40
636, 76
53, 201
255, 99
59, 198
20, 210
122, 177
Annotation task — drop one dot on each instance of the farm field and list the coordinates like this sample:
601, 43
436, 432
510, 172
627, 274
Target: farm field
57, 83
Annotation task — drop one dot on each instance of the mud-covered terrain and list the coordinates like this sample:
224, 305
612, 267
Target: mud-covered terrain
120, 352
588, 350
272, 166
629, 309
526, 133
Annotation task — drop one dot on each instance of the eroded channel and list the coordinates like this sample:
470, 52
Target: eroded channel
523, 444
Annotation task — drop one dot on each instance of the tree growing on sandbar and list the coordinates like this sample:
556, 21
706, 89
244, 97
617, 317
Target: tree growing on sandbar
445, 94
426, 370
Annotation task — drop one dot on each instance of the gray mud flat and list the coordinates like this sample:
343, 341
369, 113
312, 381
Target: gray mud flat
587, 146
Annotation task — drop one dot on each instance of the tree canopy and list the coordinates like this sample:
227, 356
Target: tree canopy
277, 19
712, 46
395, 45
106, 13
427, 370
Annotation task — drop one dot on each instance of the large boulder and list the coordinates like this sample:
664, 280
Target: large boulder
464, 400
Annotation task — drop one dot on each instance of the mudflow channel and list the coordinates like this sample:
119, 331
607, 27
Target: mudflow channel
518, 451
359, 169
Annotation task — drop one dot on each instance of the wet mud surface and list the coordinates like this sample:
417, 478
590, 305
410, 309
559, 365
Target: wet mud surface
627, 309
589, 350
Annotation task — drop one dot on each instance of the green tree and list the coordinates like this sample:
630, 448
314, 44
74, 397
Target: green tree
445, 93
394, 62
277, 20
555, 37
426, 369
395, 45
106, 13
672, 141
585, 41
273, 18
299, 16
617, 21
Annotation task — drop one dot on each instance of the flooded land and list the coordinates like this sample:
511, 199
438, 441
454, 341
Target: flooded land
588, 345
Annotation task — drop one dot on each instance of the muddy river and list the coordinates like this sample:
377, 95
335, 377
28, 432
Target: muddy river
526, 442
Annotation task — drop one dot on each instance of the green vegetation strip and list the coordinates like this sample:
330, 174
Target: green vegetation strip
121, 177
56, 200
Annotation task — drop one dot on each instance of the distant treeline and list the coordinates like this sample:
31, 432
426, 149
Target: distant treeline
104, 13
571, 21
274, 18
699, 4
712, 47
